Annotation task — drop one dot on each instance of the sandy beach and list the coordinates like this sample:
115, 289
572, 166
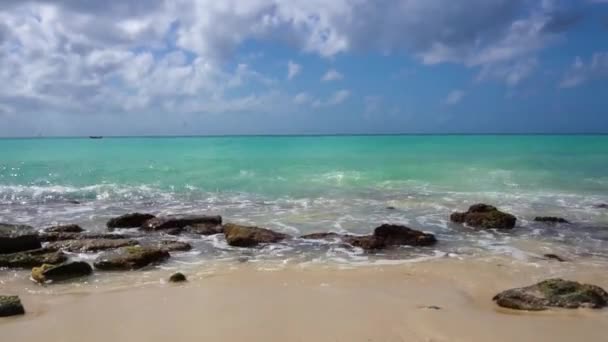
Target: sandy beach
438, 300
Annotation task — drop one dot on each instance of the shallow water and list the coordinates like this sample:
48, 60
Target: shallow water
308, 184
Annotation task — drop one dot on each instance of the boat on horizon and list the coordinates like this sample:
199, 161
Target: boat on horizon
95, 137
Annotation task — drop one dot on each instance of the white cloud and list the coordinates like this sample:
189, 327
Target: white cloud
293, 69
302, 98
454, 97
332, 75
338, 97
509, 73
581, 72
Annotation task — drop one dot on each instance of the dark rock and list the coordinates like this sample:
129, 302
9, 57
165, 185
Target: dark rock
177, 278
130, 258
430, 307
550, 219
246, 236
173, 246
133, 220
73, 202
485, 217
90, 245
70, 270
367, 242
32, 258
322, 236
396, 235
601, 206
205, 229
179, 221
390, 208
51, 237
553, 293
17, 238
65, 228
554, 257
11, 306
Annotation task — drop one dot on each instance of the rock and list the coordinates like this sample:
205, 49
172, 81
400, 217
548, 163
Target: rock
601, 206
133, 220
177, 278
91, 245
51, 237
130, 258
390, 207
550, 219
246, 236
485, 217
64, 228
553, 293
397, 235
322, 236
52, 273
386, 235
17, 238
11, 306
173, 246
179, 221
205, 229
554, 257
32, 258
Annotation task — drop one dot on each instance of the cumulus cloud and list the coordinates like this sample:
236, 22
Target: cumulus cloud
338, 97
581, 72
160, 55
332, 75
302, 98
293, 69
454, 97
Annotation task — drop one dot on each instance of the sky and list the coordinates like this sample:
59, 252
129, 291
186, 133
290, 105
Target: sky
207, 67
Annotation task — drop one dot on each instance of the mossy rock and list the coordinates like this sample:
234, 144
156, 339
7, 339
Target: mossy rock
31, 259
11, 306
177, 278
64, 228
553, 293
484, 216
130, 258
132, 220
91, 245
16, 238
248, 236
52, 273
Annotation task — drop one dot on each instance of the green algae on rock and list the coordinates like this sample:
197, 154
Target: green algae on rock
484, 216
11, 306
130, 258
51, 273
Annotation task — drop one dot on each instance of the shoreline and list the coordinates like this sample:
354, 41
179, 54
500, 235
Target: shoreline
238, 301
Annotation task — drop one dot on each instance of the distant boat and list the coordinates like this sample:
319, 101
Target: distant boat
95, 137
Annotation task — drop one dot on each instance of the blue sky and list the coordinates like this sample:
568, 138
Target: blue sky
188, 67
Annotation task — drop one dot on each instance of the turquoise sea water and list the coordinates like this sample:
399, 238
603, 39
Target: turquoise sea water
319, 183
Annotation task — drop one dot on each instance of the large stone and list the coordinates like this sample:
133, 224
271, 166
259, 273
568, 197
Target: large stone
205, 229
51, 237
52, 273
132, 220
385, 236
10, 306
64, 228
179, 221
247, 236
484, 216
17, 238
174, 246
550, 219
553, 293
177, 278
32, 258
130, 258
91, 245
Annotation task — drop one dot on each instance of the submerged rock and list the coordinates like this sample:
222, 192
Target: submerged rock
17, 238
550, 219
64, 228
179, 221
11, 306
174, 246
247, 236
91, 245
205, 229
485, 217
554, 257
130, 258
553, 293
32, 258
52, 237
70, 270
132, 220
177, 278
601, 206
384, 236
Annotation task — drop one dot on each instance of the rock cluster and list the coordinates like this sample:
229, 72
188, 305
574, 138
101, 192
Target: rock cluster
483, 216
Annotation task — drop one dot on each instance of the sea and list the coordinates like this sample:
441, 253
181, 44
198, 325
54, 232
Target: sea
305, 184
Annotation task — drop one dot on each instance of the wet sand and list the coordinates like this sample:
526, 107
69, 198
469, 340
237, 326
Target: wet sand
310, 303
